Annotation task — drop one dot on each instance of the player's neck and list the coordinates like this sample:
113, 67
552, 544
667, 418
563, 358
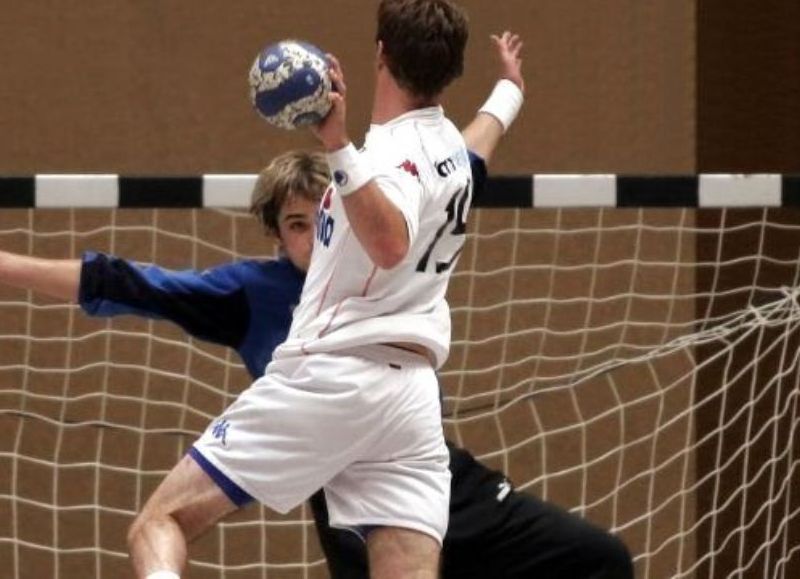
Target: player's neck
391, 101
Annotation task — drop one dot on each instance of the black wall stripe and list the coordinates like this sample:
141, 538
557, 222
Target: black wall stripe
791, 191
667, 191
17, 192
511, 191
162, 192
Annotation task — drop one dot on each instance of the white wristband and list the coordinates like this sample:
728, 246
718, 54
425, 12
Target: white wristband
504, 102
349, 169
163, 575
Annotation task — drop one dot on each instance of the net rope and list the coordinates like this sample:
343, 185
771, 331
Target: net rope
637, 366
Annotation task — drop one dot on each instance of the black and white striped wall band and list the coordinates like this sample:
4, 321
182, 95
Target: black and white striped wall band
545, 191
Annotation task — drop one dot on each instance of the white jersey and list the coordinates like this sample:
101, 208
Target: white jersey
421, 164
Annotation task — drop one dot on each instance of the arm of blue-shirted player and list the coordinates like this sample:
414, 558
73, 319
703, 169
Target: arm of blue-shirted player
495, 117
57, 278
376, 221
208, 305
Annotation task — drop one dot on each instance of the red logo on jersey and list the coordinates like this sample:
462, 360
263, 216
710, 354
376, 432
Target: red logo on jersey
409, 167
326, 199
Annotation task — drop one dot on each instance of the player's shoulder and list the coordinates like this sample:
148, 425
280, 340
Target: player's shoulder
389, 141
274, 270
420, 136
263, 272
412, 130
265, 283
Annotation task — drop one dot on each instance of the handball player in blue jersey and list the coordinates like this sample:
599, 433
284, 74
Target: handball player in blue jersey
494, 531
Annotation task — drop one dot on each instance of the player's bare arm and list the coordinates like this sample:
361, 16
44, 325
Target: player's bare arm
58, 278
377, 223
483, 134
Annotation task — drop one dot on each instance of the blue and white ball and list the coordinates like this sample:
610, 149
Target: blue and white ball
289, 84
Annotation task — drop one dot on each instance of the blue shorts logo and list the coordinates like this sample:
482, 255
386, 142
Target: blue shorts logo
219, 430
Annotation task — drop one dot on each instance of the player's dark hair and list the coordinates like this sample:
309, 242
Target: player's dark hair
423, 43
294, 173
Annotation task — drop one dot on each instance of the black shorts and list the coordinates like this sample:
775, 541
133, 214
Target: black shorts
495, 532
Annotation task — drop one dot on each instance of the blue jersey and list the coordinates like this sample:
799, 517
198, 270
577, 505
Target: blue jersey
245, 305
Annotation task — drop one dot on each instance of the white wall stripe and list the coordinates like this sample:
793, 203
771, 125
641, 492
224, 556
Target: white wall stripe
574, 190
740, 190
59, 191
227, 190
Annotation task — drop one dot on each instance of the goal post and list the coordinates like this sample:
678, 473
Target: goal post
624, 346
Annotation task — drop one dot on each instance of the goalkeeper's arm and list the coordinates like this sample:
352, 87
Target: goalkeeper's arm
210, 305
57, 278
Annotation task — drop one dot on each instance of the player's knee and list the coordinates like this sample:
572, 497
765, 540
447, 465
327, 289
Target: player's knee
149, 523
135, 531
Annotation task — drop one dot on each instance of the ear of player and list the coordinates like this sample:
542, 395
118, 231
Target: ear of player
289, 84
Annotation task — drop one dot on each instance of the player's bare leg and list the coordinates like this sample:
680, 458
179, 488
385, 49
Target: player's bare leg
185, 504
396, 553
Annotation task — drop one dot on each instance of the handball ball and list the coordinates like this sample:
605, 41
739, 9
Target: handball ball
289, 84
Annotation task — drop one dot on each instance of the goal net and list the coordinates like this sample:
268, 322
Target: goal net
637, 366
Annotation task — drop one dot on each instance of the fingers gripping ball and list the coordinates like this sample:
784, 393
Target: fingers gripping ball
289, 84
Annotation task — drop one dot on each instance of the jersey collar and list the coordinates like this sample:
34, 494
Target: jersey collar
434, 113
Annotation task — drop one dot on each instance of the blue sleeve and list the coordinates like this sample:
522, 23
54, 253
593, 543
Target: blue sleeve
211, 305
479, 172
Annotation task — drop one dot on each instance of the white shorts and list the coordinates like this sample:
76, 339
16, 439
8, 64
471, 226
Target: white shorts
365, 426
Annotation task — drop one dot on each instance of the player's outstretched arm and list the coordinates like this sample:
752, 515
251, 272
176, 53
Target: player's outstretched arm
495, 117
58, 278
210, 305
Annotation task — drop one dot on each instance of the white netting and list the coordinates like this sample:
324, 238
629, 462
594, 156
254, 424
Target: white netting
636, 366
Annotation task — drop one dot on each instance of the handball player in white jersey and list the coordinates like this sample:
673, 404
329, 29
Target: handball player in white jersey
350, 402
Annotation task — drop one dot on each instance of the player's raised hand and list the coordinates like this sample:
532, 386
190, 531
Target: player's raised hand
332, 130
509, 47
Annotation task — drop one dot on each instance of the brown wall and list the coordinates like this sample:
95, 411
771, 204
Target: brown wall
160, 87
748, 62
